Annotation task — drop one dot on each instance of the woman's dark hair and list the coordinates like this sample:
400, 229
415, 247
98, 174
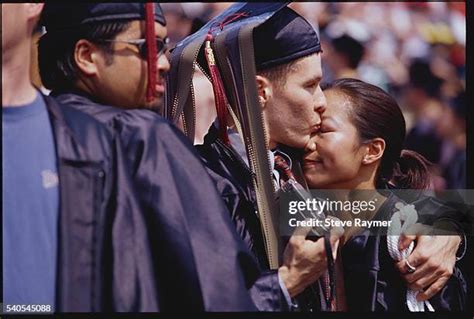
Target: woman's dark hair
376, 114
58, 69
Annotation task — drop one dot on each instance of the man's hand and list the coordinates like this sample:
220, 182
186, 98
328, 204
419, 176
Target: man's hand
433, 257
304, 261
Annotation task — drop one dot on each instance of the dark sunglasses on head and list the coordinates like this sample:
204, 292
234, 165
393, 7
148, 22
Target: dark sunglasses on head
161, 45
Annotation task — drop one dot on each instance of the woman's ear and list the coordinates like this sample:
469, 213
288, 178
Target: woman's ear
375, 150
85, 54
264, 89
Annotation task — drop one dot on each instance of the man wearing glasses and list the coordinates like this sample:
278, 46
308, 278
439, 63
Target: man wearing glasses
103, 53
181, 252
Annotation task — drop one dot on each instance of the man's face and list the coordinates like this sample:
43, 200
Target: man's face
292, 113
123, 83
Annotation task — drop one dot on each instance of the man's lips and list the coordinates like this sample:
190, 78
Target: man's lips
315, 128
160, 87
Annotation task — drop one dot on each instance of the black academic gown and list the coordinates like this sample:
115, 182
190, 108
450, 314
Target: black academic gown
233, 179
142, 227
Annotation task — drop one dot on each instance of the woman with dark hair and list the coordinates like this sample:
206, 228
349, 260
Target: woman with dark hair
359, 147
366, 124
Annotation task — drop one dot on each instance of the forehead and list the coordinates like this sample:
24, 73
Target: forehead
308, 67
337, 104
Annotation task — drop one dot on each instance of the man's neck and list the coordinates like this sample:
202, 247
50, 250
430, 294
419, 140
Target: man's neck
17, 89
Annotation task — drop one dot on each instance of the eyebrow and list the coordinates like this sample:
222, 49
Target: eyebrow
314, 79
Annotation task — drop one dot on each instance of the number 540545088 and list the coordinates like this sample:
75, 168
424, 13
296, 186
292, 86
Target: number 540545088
28, 308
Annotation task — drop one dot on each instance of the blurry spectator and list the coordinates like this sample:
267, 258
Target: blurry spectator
317, 13
345, 48
421, 95
217, 8
453, 131
177, 22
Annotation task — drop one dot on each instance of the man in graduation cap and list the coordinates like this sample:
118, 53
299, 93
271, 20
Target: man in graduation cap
288, 64
179, 251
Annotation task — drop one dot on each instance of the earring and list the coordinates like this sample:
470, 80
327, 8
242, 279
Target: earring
261, 100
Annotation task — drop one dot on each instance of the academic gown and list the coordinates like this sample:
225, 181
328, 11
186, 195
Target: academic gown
155, 235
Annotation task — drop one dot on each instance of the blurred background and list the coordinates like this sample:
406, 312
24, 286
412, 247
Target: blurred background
413, 50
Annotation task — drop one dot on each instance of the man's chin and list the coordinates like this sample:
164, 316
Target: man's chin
156, 105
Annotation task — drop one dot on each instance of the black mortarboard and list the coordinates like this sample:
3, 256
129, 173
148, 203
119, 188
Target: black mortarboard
60, 16
284, 37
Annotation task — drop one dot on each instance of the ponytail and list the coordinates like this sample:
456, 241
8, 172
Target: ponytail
411, 171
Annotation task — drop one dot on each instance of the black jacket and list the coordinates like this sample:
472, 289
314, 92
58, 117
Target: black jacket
142, 227
371, 281
233, 179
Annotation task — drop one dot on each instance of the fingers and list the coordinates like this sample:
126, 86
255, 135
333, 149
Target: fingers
336, 231
405, 241
335, 235
417, 259
414, 232
432, 290
402, 267
300, 234
316, 248
421, 278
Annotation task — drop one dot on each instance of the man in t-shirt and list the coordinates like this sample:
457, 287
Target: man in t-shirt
30, 171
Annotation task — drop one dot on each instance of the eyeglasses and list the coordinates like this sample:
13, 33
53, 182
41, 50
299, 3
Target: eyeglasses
161, 45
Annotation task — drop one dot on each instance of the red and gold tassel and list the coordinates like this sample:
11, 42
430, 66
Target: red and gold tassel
152, 57
219, 91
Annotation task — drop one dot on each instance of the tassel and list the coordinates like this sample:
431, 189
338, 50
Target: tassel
219, 91
152, 57
217, 83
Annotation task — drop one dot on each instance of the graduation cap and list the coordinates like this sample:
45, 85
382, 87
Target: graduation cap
230, 49
278, 35
66, 17
284, 37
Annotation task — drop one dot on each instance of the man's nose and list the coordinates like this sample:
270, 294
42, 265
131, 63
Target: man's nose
320, 101
163, 64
